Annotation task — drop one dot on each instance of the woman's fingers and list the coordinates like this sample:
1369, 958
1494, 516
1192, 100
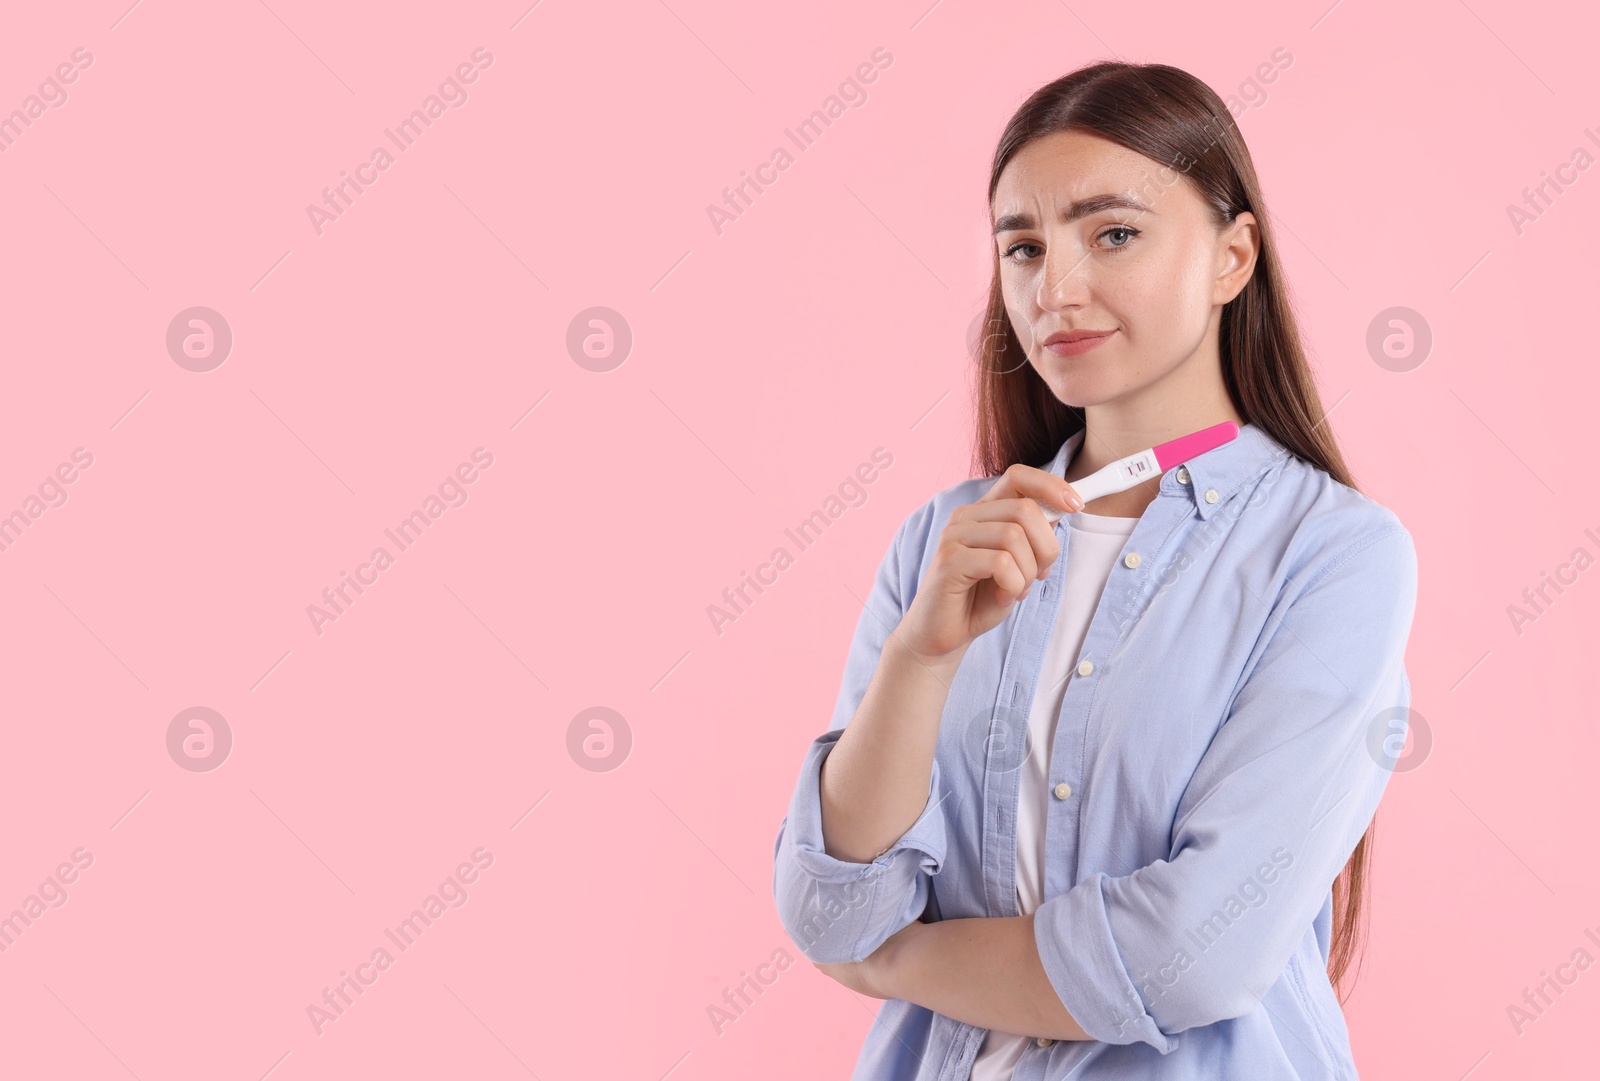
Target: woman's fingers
989, 554
1030, 546
1008, 560
1033, 483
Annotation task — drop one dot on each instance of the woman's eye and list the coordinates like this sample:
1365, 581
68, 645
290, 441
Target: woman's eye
1123, 230
1011, 251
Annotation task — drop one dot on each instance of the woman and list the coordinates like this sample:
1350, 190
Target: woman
1089, 787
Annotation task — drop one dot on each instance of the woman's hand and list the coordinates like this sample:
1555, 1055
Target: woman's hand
989, 555
875, 977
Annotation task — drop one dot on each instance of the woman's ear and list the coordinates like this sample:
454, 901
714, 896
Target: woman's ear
1238, 245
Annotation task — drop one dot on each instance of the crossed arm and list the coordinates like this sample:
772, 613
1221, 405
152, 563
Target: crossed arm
984, 972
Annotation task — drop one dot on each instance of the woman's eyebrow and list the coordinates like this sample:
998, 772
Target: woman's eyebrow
1094, 204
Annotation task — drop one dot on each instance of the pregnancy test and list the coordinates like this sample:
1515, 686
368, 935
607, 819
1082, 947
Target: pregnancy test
1124, 473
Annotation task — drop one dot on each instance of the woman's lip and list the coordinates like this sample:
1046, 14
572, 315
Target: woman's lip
1077, 346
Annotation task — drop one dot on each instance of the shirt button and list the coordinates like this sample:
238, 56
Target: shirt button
1211, 495
1131, 559
1085, 668
1183, 474
1044, 1041
1063, 790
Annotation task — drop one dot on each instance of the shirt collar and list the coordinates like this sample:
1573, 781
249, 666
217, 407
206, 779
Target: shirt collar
1223, 470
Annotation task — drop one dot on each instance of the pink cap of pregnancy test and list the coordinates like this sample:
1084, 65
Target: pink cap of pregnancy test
1194, 444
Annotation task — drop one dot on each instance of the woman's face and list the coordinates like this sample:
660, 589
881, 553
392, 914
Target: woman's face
1093, 236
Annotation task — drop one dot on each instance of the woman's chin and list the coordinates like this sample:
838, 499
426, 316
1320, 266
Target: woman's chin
1082, 393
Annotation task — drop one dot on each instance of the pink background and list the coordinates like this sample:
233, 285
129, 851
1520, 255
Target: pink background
767, 363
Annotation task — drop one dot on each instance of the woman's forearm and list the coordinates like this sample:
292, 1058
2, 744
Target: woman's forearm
984, 972
875, 779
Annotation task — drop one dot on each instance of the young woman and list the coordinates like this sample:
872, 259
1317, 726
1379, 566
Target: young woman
1096, 800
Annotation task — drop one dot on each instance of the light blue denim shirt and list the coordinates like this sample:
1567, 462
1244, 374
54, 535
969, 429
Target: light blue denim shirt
1222, 745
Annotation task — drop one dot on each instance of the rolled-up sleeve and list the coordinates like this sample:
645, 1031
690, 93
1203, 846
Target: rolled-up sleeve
1278, 802
835, 910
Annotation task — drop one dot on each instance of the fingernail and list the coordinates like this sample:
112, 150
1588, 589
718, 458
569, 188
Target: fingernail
1072, 500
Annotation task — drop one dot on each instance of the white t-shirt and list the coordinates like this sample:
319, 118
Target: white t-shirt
1096, 542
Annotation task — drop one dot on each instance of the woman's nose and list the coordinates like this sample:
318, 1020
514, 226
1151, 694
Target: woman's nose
1065, 279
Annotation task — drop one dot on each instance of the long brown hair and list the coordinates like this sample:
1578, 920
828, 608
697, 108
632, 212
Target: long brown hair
1179, 122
